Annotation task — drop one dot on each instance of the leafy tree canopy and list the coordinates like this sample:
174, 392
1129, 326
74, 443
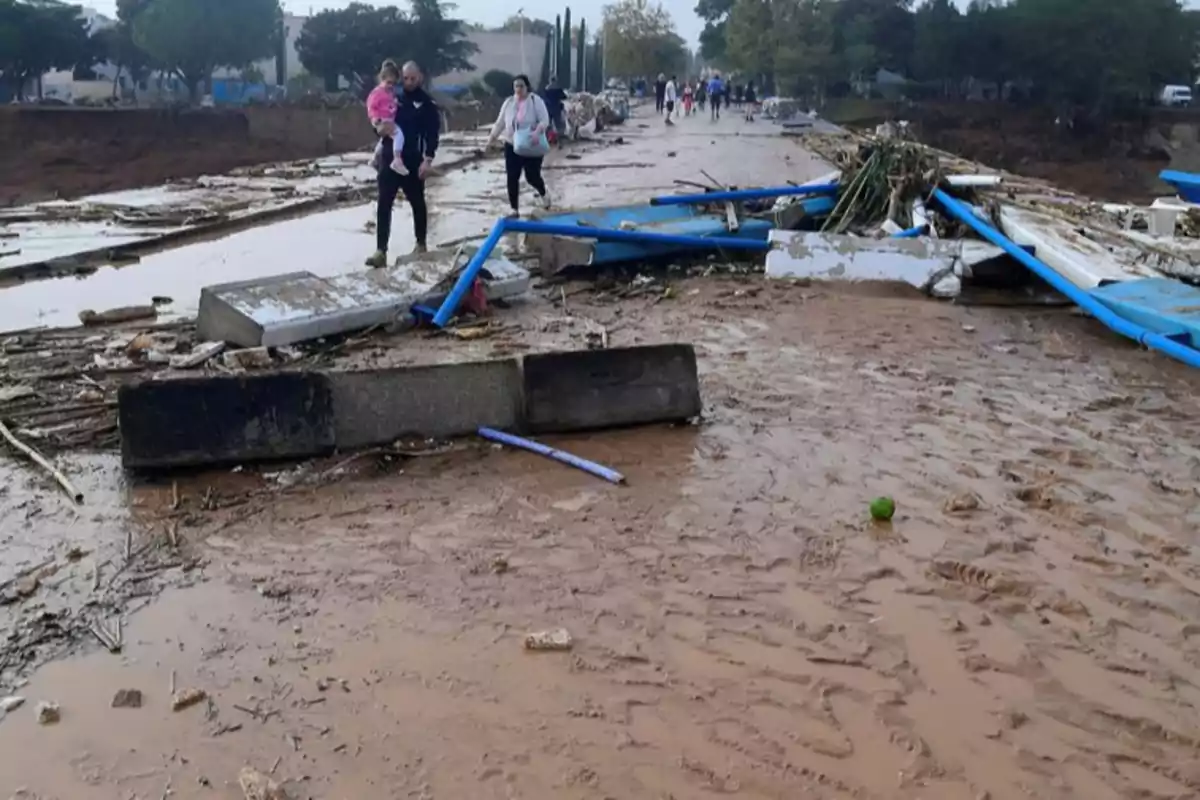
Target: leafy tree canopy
36, 37
194, 37
352, 42
1082, 54
640, 40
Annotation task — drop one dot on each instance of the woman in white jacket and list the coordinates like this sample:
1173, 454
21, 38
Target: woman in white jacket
525, 112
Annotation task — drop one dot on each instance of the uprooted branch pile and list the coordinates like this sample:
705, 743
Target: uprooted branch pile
882, 178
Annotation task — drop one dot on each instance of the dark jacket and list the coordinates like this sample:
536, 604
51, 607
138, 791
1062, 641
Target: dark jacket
420, 120
554, 97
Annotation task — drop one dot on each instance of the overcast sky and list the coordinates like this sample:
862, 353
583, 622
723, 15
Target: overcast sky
489, 12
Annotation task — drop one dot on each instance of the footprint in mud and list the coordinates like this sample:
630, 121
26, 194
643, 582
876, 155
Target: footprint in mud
1037, 496
1067, 456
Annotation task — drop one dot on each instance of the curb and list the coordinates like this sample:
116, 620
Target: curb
219, 419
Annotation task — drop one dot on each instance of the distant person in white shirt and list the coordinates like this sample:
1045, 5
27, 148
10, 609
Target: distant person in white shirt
670, 96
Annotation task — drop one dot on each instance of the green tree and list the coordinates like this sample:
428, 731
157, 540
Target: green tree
499, 81
437, 42
580, 55
352, 42
38, 37
641, 39
544, 75
937, 49
556, 64
193, 37
805, 63
533, 27
564, 56
750, 45
715, 14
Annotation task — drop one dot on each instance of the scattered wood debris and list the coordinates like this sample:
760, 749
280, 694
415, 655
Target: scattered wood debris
186, 698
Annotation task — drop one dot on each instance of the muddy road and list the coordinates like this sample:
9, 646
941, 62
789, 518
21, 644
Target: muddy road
1024, 627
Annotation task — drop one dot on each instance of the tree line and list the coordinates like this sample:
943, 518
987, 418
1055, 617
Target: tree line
635, 38
190, 39
1097, 56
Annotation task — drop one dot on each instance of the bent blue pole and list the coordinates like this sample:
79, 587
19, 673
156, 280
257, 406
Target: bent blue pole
467, 277
446, 310
736, 195
590, 467
911, 233
1118, 324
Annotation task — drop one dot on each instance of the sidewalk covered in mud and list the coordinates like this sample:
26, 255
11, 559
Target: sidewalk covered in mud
356, 624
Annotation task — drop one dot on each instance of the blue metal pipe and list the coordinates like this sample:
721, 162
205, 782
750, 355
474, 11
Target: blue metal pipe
1156, 341
467, 278
912, 233
743, 194
641, 237
446, 311
590, 467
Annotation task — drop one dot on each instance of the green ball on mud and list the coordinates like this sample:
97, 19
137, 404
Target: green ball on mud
883, 509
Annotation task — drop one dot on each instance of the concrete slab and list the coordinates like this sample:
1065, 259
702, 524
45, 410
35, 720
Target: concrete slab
379, 406
590, 389
922, 263
219, 419
300, 306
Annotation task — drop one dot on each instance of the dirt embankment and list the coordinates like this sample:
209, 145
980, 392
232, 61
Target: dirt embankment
68, 152
1119, 161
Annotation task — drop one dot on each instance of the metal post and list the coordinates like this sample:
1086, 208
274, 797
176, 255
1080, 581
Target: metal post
524, 61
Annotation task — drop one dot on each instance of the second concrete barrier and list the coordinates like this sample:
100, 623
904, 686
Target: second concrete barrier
190, 422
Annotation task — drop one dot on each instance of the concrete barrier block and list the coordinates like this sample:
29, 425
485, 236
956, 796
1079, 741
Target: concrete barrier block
590, 389
219, 420
378, 406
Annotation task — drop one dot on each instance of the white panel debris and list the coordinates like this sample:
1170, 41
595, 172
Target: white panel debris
934, 266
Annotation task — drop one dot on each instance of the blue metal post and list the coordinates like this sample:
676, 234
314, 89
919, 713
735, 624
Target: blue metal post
641, 237
743, 194
467, 278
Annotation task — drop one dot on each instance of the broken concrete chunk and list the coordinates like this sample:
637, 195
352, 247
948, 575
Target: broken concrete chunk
186, 698
922, 263
48, 713
127, 698
558, 639
200, 353
250, 358
11, 703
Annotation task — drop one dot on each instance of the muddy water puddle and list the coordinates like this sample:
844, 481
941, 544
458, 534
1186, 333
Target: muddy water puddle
1025, 625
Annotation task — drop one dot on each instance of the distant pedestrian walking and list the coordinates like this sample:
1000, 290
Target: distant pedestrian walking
670, 95
716, 89
522, 124
660, 94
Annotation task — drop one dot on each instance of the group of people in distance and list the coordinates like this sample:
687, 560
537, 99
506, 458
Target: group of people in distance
671, 99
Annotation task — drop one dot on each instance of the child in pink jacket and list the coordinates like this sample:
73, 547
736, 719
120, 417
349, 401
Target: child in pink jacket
381, 108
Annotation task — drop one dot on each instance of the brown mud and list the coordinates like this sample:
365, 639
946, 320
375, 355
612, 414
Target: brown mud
1119, 162
63, 153
1023, 627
